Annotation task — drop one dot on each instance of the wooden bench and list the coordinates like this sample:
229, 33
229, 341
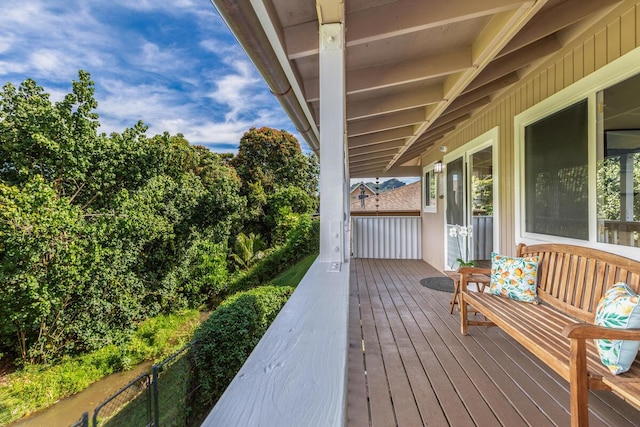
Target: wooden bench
560, 330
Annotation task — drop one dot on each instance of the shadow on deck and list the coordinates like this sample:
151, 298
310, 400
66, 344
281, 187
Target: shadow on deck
409, 365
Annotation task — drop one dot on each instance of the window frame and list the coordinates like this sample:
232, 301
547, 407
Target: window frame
429, 171
586, 88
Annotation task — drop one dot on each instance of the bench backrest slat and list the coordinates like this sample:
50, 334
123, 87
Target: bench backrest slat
574, 278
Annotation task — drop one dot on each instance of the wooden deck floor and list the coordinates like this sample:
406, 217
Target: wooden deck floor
409, 365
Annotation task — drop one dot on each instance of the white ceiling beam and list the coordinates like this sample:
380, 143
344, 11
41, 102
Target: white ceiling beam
385, 146
394, 19
388, 75
438, 133
499, 31
377, 138
394, 103
390, 121
370, 162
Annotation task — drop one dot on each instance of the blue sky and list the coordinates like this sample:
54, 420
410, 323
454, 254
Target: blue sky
172, 64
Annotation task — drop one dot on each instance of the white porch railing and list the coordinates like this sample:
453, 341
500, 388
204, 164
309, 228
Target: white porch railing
296, 375
387, 237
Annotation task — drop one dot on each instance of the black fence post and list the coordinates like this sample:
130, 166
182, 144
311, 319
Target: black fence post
83, 421
154, 382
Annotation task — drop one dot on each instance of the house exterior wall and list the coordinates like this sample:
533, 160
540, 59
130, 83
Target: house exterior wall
613, 36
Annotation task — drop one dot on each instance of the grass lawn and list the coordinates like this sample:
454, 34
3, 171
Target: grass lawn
293, 275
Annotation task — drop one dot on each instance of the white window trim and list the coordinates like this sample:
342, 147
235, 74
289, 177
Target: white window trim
622, 68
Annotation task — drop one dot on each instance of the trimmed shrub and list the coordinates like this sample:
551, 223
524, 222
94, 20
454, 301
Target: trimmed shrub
227, 337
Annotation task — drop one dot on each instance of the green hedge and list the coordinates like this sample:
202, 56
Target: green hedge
301, 241
227, 337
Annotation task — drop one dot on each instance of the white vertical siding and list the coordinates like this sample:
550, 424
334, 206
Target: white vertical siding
386, 237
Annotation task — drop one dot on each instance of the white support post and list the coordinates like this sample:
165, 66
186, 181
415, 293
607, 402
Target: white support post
332, 146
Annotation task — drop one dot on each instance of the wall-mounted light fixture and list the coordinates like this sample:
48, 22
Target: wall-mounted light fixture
437, 167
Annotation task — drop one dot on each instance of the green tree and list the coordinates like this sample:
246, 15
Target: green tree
269, 160
98, 232
42, 254
248, 250
274, 158
283, 210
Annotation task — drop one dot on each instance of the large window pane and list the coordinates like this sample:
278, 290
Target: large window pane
556, 186
618, 168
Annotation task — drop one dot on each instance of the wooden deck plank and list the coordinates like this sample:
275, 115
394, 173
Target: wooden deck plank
440, 359
358, 409
406, 409
425, 396
418, 370
491, 394
379, 395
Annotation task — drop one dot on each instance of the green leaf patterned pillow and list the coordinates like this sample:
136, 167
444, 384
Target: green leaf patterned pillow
514, 278
618, 308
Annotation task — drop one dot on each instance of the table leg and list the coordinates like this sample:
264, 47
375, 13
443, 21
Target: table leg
456, 292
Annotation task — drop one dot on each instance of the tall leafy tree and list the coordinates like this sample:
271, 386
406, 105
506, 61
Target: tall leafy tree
269, 160
100, 231
274, 158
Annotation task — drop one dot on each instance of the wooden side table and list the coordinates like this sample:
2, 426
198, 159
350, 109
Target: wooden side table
481, 281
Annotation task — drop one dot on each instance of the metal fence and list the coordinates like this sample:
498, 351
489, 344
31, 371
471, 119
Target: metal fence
153, 399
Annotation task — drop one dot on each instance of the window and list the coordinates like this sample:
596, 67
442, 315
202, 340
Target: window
618, 165
578, 157
556, 179
430, 187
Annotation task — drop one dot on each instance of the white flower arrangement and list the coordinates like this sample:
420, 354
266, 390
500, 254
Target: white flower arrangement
463, 232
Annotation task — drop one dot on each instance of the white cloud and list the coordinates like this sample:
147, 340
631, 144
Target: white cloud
171, 64
237, 90
167, 6
6, 41
124, 104
8, 67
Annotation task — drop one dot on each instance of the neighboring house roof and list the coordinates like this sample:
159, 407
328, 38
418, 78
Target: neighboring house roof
367, 189
405, 198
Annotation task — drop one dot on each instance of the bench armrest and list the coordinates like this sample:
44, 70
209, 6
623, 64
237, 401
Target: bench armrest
587, 331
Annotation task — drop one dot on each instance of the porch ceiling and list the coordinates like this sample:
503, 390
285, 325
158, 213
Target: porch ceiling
418, 69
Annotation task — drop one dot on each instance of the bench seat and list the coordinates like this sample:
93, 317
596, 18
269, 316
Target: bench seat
539, 328
559, 330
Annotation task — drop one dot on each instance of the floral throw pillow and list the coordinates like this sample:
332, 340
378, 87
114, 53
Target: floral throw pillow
618, 308
514, 278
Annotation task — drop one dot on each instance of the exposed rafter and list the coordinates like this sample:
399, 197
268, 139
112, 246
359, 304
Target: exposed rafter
553, 20
385, 146
415, 70
393, 19
516, 60
379, 137
394, 103
387, 75
389, 121
501, 29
